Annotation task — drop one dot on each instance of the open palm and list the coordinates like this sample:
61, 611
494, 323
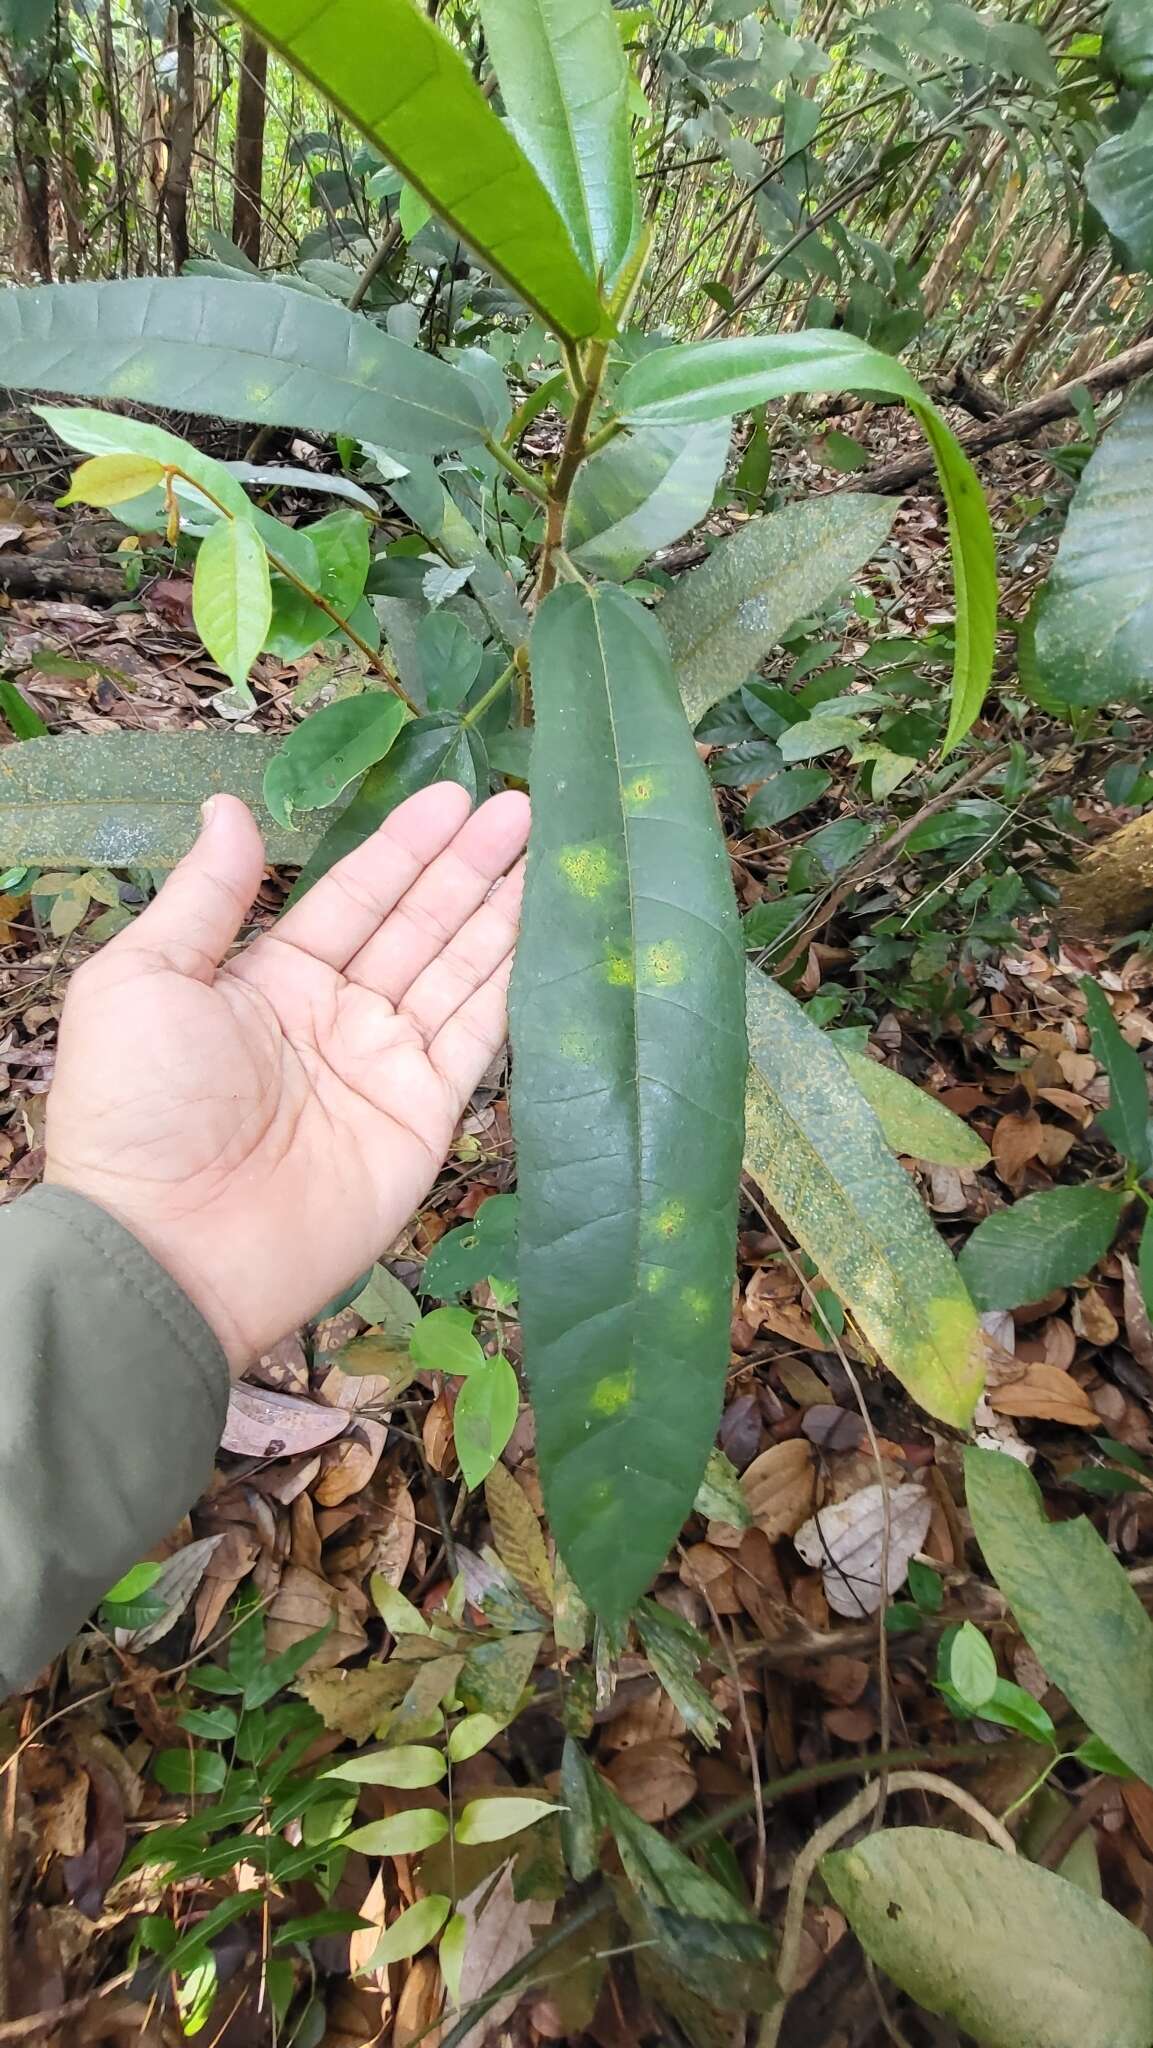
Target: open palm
267, 1127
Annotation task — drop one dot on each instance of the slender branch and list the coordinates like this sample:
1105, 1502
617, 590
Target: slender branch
486, 702
516, 470
576, 447
375, 264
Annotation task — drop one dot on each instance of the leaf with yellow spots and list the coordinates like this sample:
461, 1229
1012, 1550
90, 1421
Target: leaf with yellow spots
818, 1152
628, 1073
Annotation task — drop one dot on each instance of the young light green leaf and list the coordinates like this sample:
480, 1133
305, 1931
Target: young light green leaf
715, 379
410, 1765
564, 80
1072, 1602
111, 479
972, 1667
1126, 1121
402, 1834
103, 434
262, 353
391, 72
450, 1955
1094, 618
472, 1735
396, 1610
1014, 1954
232, 599
135, 1581
415, 212
627, 996
913, 1121
484, 1418
494, 1820
443, 1342
330, 749
410, 1931
1047, 1240
815, 1147
641, 492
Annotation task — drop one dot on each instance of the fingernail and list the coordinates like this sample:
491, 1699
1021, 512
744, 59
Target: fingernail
206, 811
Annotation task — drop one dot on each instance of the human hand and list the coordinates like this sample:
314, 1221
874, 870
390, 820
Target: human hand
266, 1128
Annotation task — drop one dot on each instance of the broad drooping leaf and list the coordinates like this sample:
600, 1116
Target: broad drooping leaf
721, 618
1127, 43
1073, 1604
388, 68
913, 1121
565, 83
1094, 619
1046, 1240
131, 799
1015, 1954
243, 351
815, 1147
641, 492
437, 749
628, 1070
1119, 182
715, 379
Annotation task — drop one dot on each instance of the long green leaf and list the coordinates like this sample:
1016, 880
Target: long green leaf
1015, 1955
715, 379
131, 799
1073, 1603
565, 82
641, 492
818, 1152
913, 1121
628, 1070
1119, 182
1094, 619
232, 598
721, 618
388, 68
243, 351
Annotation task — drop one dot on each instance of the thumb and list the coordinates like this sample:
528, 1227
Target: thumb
205, 900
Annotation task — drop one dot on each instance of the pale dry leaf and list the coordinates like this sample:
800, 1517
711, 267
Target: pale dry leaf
948, 1190
394, 1543
350, 1464
1093, 1319
500, 1930
363, 1940
1048, 1394
303, 1604
180, 1575
262, 1424
779, 1487
436, 1435
655, 1779
418, 2006
1071, 1105
1016, 1141
845, 1542
1138, 1328
517, 1535
356, 1703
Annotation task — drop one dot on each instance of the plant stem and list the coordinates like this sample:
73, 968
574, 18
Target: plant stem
576, 447
516, 470
490, 696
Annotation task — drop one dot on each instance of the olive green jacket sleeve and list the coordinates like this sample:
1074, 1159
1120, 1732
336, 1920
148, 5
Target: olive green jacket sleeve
113, 1392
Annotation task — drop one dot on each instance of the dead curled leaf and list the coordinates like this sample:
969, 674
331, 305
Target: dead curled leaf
1048, 1393
655, 1779
846, 1542
779, 1487
262, 1424
303, 1604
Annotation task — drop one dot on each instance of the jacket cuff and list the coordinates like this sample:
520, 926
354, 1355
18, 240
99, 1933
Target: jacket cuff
113, 1394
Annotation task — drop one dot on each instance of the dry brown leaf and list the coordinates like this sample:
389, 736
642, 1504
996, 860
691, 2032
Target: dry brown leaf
1016, 1141
350, 1464
1053, 1342
362, 1941
1139, 1806
501, 1929
649, 1716
1079, 1069
436, 1435
262, 1424
180, 1575
1138, 1328
418, 2007
1047, 1393
395, 1541
788, 1319
851, 1724
1055, 1145
1093, 1318
1072, 1105
760, 1588
655, 1779
355, 1703
304, 1603
517, 1536
846, 1543
779, 1487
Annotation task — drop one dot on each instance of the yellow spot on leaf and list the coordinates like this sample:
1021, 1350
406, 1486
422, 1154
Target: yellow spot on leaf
619, 969
639, 792
614, 1392
590, 869
695, 1303
259, 393
576, 1045
654, 1278
664, 965
671, 1220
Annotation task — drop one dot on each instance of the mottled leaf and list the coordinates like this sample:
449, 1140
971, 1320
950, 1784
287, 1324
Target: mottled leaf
913, 1121
641, 492
1094, 620
1047, 1240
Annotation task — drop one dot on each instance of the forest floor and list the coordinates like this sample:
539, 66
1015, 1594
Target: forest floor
321, 1483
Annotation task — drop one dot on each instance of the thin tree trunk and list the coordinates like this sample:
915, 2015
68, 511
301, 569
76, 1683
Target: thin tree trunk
248, 157
181, 137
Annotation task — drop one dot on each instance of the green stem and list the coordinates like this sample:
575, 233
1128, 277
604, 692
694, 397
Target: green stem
495, 690
516, 470
604, 435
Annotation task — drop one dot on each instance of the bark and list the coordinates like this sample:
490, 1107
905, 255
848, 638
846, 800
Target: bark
30, 159
1112, 890
181, 137
1017, 425
943, 269
1040, 319
248, 156
44, 575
